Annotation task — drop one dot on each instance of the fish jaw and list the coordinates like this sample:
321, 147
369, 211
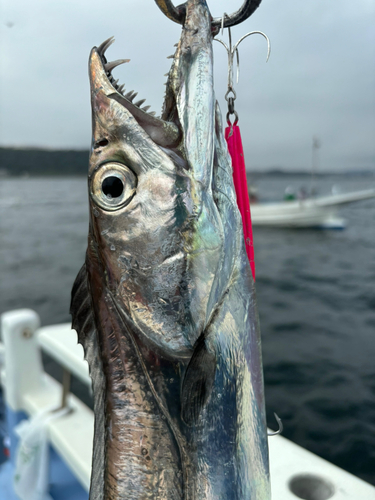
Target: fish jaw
165, 134
192, 84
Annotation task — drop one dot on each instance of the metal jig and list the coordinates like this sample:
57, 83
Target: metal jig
231, 51
280, 429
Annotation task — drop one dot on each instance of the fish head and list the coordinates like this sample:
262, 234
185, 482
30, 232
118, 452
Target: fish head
157, 236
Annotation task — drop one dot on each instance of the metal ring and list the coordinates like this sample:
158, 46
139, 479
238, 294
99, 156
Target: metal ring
228, 92
230, 124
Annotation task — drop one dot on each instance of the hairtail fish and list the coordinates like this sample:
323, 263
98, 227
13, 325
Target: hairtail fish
165, 304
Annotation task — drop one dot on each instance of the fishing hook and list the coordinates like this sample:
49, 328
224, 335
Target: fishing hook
231, 51
279, 430
178, 14
234, 50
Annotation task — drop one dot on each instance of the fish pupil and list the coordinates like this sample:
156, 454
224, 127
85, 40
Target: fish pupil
112, 187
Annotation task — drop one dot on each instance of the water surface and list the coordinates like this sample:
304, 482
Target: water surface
316, 296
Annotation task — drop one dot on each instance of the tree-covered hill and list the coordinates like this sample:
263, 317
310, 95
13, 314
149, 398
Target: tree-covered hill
14, 161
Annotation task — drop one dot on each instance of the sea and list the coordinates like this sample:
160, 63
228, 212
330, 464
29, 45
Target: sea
315, 290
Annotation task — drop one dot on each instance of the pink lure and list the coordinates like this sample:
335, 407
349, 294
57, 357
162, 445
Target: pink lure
234, 141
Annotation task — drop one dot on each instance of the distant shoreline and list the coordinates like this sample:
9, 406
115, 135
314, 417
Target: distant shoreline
35, 162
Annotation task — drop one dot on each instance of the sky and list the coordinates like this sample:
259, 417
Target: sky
319, 80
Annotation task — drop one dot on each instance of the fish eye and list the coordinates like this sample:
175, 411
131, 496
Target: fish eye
113, 186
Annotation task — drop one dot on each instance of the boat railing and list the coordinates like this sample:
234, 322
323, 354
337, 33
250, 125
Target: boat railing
295, 472
29, 390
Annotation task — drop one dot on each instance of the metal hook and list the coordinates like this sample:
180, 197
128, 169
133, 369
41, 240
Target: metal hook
280, 429
254, 33
178, 14
231, 51
234, 50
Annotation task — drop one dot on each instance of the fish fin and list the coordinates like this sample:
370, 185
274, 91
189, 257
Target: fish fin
81, 307
198, 382
83, 322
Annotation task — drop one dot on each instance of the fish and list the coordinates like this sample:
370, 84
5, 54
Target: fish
165, 303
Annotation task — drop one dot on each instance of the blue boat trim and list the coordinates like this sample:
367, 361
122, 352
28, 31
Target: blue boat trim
63, 484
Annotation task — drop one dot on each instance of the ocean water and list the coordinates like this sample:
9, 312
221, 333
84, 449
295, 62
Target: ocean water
316, 297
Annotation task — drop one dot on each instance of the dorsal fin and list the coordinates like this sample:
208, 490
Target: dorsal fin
81, 307
83, 322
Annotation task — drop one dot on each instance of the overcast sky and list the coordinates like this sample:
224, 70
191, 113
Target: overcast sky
320, 78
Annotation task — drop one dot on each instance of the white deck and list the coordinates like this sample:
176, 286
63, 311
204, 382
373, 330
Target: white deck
72, 434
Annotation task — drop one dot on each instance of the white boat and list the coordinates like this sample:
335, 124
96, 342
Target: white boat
319, 212
295, 472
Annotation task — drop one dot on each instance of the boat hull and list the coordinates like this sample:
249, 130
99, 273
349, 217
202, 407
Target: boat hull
310, 213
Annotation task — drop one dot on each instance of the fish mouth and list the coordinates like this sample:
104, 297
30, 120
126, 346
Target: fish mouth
166, 130
120, 89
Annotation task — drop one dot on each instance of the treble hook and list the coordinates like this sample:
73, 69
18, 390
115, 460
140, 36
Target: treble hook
234, 50
231, 51
280, 429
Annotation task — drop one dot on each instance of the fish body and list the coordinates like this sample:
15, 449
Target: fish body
165, 304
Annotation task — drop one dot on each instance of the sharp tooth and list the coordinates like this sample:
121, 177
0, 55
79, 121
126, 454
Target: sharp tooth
104, 46
166, 74
175, 45
121, 87
111, 65
170, 57
152, 113
115, 82
146, 108
139, 103
130, 95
